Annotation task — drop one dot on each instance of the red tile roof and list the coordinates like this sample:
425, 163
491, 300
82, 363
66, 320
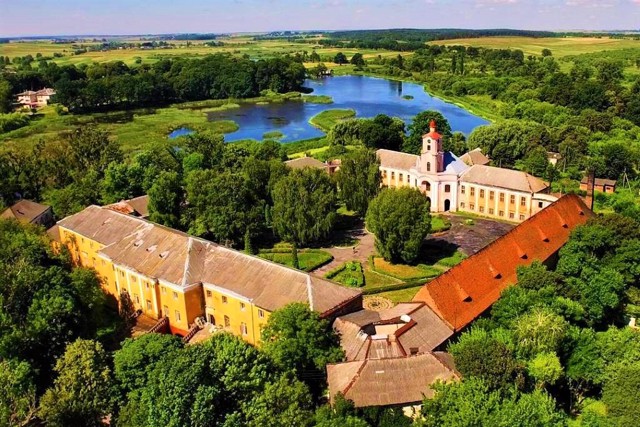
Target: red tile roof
467, 290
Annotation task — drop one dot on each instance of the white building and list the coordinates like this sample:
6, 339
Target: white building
36, 99
451, 185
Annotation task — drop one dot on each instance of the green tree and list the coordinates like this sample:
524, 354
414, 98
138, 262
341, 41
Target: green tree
91, 148
304, 206
400, 220
357, 60
340, 59
478, 354
545, 368
621, 395
296, 338
420, 125
81, 394
359, 180
540, 331
165, 199
6, 98
133, 364
18, 404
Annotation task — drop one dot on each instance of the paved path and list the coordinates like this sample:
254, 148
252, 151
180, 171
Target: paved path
360, 252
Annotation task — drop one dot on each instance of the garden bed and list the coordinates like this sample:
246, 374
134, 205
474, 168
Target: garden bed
308, 259
350, 273
403, 271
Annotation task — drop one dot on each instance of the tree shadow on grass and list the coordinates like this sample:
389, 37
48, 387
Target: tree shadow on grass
434, 250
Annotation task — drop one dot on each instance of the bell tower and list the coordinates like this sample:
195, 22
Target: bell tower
432, 156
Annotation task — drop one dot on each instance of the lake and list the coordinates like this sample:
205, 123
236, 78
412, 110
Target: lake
368, 96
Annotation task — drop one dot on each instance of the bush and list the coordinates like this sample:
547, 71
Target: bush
12, 121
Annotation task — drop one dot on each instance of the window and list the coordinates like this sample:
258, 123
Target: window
146, 285
502, 197
93, 261
501, 213
461, 205
429, 147
481, 209
175, 295
227, 322
512, 199
490, 211
539, 204
134, 279
178, 315
242, 306
482, 194
491, 195
122, 273
224, 299
472, 191
408, 179
393, 175
472, 206
523, 201
428, 166
521, 217
261, 314
148, 305
164, 290
462, 189
512, 215
165, 310
401, 177
447, 188
208, 294
243, 328
136, 298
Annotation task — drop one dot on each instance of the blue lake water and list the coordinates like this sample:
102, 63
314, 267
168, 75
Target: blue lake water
180, 132
368, 96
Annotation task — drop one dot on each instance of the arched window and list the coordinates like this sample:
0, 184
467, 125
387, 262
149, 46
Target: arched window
428, 166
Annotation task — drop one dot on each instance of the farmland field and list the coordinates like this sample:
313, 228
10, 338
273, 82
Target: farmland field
559, 46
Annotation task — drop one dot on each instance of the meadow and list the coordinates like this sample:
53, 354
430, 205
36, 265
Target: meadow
559, 46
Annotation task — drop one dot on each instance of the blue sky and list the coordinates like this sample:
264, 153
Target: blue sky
57, 17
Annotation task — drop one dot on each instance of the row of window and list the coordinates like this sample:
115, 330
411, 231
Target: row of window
512, 198
472, 207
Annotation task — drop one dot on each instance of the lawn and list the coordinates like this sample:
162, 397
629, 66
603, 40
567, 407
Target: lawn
328, 118
401, 295
374, 280
308, 259
404, 272
559, 46
349, 273
439, 223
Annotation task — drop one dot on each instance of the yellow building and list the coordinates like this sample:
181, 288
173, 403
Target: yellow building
170, 274
464, 184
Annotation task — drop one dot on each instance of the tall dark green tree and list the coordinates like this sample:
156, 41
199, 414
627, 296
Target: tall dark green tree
420, 125
400, 220
359, 180
165, 199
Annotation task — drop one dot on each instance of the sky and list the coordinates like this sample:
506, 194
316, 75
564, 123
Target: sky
111, 17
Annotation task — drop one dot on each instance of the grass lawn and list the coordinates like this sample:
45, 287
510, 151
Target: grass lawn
401, 295
308, 259
403, 271
439, 223
349, 273
374, 280
559, 46
328, 118
318, 99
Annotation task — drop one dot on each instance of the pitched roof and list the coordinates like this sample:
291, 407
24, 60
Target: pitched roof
138, 206
396, 159
453, 164
305, 162
173, 256
394, 332
464, 292
600, 181
503, 178
392, 381
475, 157
25, 211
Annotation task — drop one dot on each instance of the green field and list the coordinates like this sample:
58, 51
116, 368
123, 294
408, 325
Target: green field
328, 118
559, 46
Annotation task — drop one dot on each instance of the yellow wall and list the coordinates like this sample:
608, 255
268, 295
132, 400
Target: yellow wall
236, 314
482, 204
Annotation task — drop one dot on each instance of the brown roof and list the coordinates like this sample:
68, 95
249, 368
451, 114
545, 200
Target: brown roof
503, 178
600, 181
396, 159
170, 255
391, 333
475, 157
392, 381
25, 211
305, 162
464, 292
138, 206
